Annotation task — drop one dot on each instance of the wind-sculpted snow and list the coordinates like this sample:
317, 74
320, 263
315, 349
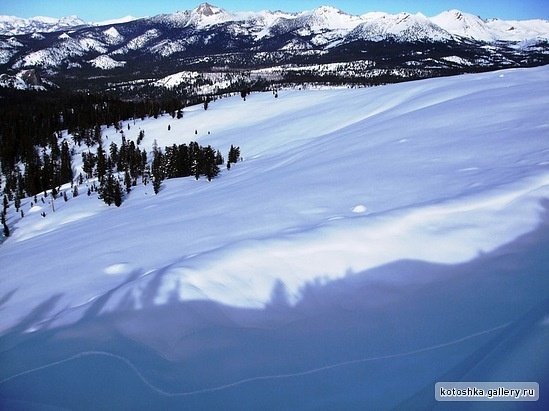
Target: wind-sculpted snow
367, 234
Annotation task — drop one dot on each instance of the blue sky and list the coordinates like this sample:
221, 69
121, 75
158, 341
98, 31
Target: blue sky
98, 10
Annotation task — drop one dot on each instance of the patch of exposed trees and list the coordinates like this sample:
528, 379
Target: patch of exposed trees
185, 161
34, 154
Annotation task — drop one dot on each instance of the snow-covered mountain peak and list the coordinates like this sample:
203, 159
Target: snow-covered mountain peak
331, 17
207, 15
402, 26
207, 10
13, 26
464, 24
468, 25
112, 35
327, 11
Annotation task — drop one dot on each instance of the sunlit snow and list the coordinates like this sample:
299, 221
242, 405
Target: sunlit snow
332, 182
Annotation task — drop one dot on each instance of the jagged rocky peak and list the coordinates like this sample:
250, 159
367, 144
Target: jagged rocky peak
458, 15
207, 10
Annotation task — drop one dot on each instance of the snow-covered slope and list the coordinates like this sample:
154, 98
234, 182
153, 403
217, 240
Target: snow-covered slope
400, 27
333, 182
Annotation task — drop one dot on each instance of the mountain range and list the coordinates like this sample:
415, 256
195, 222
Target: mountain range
324, 44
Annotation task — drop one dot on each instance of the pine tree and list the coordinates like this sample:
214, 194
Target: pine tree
219, 160
117, 193
113, 152
127, 181
211, 169
65, 171
6, 230
107, 188
157, 169
157, 182
234, 154
89, 161
195, 161
101, 162
17, 202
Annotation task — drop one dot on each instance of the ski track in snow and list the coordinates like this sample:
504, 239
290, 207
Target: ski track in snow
258, 378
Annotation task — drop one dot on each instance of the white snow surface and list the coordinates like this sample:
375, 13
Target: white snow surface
106, 63
332, 182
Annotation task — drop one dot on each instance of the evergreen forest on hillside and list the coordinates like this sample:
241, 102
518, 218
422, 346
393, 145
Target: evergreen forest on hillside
37, 157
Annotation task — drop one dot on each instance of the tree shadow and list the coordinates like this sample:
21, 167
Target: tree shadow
345, 344
6, 297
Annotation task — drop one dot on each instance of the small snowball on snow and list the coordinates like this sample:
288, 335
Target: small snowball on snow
359, 209
118, 269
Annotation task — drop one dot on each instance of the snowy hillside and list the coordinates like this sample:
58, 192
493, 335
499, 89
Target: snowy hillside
333, 183
371, 162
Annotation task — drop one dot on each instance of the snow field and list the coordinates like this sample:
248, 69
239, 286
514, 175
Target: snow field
333, 182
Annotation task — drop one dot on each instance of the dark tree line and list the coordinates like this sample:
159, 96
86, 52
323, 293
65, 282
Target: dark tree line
36, 155
128, 160
31, 124
184, 161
